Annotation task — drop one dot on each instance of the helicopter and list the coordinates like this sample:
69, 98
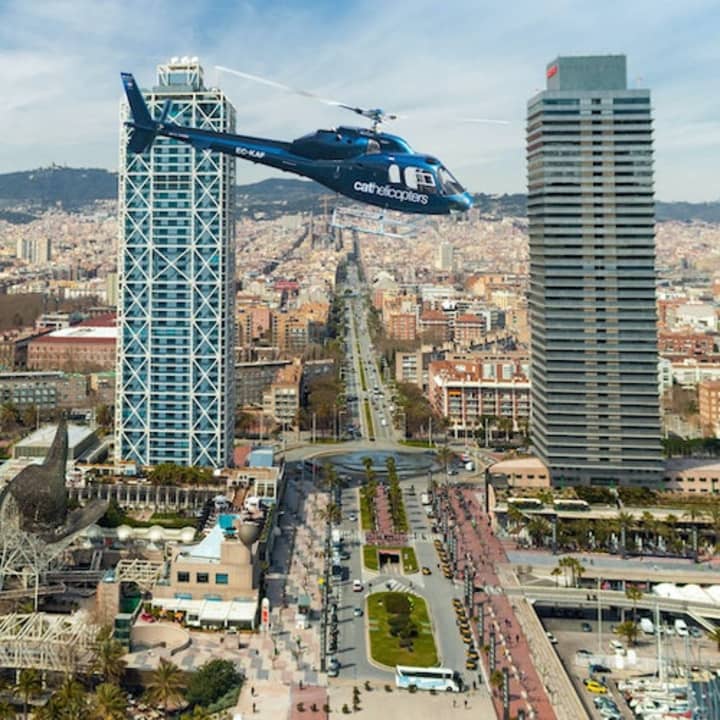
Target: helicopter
364, 164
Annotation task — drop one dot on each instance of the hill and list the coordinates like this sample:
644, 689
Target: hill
24, 194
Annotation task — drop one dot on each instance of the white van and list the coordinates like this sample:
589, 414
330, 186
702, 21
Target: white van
646, 625
681, 628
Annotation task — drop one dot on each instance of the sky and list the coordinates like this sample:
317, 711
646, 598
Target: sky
434, 61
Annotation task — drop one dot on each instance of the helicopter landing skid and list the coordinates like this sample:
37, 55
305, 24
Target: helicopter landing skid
375, 223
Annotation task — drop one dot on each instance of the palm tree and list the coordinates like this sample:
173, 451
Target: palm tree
497, 679
28, 686
538, 529
72, 698
634, 593
628, 630
108, 661
556, 572
331, 513
625, 521
108, 703
166, 685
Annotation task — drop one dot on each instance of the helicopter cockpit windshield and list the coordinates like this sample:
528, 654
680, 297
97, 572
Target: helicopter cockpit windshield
448, 184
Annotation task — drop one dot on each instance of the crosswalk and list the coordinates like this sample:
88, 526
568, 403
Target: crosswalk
397, 586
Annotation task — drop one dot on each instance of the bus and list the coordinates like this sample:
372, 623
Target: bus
525, 503
426, 678
570, 505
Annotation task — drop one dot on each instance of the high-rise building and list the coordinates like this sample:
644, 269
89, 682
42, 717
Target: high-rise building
176, 290
595, 405
445, 260
36, 251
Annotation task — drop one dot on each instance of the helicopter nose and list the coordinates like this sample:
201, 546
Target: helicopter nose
462, 203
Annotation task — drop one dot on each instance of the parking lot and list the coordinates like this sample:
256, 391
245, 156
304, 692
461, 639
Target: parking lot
579, 644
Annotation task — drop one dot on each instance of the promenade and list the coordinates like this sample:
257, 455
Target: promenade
479, 549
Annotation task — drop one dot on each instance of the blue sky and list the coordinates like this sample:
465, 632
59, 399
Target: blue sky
434, 61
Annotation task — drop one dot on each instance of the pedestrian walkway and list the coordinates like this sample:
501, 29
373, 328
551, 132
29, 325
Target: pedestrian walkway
287, 657
478, 549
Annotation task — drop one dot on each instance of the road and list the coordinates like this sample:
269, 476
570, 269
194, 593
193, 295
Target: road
361, 363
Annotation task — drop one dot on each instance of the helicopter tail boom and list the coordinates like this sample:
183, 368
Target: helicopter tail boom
145, 129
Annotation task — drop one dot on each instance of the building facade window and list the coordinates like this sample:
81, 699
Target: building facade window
202, 578
183, 577
221, 578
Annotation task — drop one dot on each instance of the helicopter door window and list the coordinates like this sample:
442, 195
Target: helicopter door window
394, 174
373, 147
425, 181
411, 178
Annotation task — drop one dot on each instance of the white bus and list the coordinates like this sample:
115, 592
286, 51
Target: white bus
427, 678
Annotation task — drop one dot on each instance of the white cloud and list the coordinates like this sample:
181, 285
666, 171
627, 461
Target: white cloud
435, 61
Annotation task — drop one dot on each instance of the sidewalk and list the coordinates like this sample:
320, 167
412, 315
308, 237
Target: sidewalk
478, 547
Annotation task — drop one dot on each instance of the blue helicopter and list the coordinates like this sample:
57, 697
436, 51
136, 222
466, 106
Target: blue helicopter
363, 164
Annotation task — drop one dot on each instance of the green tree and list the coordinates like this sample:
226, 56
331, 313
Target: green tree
72, 698
166, 685
629, 631
28, 687
104, 416
330, 513
497, 679
108, 703
7, 711
556, 572
211, 681
538, 528
109, 653
634, 593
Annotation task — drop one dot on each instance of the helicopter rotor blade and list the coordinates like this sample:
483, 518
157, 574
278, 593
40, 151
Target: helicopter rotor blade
285, 88
487, 121
370, 114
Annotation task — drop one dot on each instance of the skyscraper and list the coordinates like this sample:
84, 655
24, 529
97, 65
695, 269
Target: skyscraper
445, 260
595, 405
175, 386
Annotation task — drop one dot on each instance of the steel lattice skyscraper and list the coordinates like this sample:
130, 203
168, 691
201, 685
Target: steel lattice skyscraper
594, 366
175, 397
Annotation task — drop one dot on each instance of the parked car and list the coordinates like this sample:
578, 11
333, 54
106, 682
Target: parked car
551, 638
586, 627
358, 612
357, 586
594, 686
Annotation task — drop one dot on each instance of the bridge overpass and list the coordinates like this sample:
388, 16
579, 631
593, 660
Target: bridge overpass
705, 614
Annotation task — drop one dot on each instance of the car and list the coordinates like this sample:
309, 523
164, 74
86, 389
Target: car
584, 653
596, 668
467, 638
472, 653
471, 664
358, 612
695, 631
594, 686
551, 637
604, 701
616, 646
352, 517
357, 586
586, 627
426, 570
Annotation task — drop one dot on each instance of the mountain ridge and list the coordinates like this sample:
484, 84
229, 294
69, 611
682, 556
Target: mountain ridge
24, 194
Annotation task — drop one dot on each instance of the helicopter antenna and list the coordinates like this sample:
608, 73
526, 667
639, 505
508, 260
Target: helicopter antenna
375, 115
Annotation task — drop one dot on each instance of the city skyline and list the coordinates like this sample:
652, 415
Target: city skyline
484, 72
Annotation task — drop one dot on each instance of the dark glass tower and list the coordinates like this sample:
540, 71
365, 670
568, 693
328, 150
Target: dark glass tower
594, 368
